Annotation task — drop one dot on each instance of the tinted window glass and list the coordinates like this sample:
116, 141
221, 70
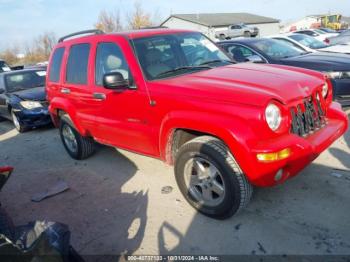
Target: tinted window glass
109, 58
56, 63
77, 64
25, 80
240, 53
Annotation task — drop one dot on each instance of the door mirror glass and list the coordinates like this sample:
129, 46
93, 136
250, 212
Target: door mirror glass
255, 59
2, 91
115, 80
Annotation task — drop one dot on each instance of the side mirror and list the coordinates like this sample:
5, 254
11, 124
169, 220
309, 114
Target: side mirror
2, 91
115, 80
255, 59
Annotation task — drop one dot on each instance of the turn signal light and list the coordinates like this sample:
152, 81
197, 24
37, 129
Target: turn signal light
275, 156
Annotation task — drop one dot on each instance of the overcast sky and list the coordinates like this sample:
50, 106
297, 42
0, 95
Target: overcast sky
22, 20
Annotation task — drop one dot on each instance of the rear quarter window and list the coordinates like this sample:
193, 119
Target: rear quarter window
77, 65
56, 62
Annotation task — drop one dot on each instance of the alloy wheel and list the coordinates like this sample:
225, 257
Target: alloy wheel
204, 181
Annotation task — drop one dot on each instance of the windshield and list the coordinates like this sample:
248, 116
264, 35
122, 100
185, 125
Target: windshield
277, 49
328, 30
171, 55
4, 67
319, 31
308, 41
25, 80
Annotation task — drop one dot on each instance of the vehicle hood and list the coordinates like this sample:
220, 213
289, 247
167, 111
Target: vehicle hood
246, 83
33, 94
337, 49
320, 61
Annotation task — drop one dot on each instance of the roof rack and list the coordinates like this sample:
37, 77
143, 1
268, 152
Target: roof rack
153, 27
93, 31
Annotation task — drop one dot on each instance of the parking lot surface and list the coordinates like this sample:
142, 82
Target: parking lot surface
121, 203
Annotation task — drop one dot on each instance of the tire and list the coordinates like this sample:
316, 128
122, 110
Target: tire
17, 123
247, 34
7, 227
77, 146
222, 37
211, 154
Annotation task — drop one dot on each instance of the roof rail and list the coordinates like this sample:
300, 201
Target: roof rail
92, 31
153, 27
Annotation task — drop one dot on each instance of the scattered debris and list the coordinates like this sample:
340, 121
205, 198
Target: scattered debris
60, 187
337, 175
261, 248
167, 189
238, 226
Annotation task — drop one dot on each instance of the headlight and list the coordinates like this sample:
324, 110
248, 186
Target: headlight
30, 104
338, 75
325, 90
273, 116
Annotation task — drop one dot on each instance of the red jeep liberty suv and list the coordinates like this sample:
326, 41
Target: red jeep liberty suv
174, 95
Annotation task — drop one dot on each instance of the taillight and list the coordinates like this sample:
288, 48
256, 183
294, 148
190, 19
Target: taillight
326, 41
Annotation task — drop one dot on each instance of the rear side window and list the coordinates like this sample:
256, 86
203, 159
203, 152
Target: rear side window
77, 65
56, 63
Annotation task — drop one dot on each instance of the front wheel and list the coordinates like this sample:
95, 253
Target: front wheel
210, 179
77, 146
17, 123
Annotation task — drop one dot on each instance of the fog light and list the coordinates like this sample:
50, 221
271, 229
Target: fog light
275, 156
279, 175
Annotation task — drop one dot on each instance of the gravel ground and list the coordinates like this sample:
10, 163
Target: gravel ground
115, 204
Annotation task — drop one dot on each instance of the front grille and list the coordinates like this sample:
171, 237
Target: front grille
307, 117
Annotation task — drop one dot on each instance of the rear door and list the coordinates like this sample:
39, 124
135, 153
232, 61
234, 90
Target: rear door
77, 87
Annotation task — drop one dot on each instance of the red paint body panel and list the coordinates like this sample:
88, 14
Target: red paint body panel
226, 102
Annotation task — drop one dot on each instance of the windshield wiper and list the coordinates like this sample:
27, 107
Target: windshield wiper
184, 68
217, 61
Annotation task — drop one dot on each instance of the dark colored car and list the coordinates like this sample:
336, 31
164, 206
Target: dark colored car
4, 67
336, 66
23, 98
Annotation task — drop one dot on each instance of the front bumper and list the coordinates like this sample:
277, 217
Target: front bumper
304, 150
34, 118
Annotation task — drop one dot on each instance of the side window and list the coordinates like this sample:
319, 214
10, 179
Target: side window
109, 58
55, 67
77, 65
240, 53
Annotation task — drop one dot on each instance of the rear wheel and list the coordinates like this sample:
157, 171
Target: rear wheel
247, 34
210, 179
17, 123
77, 146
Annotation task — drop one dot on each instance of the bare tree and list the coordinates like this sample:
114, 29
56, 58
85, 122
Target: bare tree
109, 21
139, 18
10, 55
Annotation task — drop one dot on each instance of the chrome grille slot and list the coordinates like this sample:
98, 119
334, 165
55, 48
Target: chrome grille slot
307, 117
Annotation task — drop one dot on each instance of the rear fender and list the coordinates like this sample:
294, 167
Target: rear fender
57, 105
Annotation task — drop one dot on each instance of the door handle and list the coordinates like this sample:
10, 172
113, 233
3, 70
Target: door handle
65, 90
99, 96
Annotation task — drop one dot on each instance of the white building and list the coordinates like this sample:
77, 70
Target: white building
311, 21
209, 23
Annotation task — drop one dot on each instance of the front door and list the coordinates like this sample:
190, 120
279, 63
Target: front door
123, 119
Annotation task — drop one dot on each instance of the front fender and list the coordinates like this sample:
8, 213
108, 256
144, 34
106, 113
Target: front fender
235, 132
59, 104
